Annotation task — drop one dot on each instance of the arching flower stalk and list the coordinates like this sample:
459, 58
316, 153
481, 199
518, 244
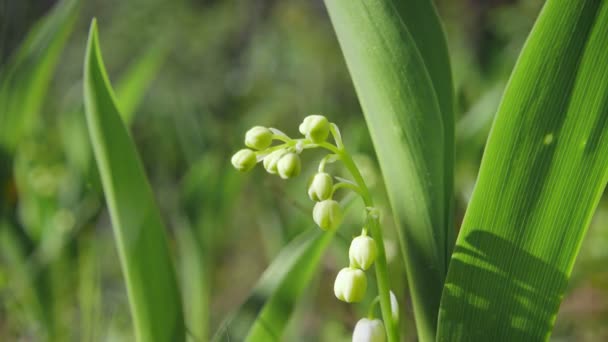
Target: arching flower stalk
283, 159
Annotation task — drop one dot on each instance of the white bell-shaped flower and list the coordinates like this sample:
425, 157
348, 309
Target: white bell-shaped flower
320, 187
369, 330
289, 166
362, 252
350, 285
327, 214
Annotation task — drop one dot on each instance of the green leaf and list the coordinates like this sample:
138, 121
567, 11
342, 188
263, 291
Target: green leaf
424, 25
25, 80
407, 127
542, 175
132, 87
265, 314
140, 234
134, 84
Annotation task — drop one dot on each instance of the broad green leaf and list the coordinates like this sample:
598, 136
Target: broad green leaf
406, 124
424, 25
265, 314
25, 79
541, 177
140, 234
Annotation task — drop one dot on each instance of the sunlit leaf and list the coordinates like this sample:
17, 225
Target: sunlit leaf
399, 98
543, 172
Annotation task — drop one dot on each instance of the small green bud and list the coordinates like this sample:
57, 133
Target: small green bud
327, 214
350, 285
271, 160
369, 330
315, 128
244, 160
362, 252
320, 187
289, 166
258, 138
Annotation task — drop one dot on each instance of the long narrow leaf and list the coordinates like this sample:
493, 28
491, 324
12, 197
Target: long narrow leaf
424, 25
136, 81
265, 314
407, 127
25, 79
542, 174
140, 233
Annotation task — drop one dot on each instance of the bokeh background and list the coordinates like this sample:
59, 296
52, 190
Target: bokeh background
193, 76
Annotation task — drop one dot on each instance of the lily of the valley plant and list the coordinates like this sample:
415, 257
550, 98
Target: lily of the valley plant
366, 249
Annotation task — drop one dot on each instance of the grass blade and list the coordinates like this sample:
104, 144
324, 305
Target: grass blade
134, 84
138, 228
265, 314
407, 128
542, 175
25, 80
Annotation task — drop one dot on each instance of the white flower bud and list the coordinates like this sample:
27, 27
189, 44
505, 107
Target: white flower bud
244, 160
327, 214
271, 160
394, 307
315, 128
350, 285
289, 165
369, 330
320, 187
258, 138
362, 252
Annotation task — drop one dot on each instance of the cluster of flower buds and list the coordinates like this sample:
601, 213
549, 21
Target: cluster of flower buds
283, 159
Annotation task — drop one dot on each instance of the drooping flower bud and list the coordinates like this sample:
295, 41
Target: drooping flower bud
369, 330
315, 128
350, 285
320, 187
362, 252
244, 160
271, 160
289, 165
258, 138
394, 307
327, 214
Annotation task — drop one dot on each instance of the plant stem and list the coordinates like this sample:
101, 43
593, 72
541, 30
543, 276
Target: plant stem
392, 331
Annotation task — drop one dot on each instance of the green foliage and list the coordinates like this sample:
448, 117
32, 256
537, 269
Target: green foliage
233, 64
24, 81
265, 314
407, 126
542, 175
422, 21
139, 231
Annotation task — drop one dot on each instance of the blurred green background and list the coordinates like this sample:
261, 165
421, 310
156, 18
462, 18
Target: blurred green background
191, 76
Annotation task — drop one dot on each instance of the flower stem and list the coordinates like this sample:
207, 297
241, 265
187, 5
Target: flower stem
372, 308
392, 331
